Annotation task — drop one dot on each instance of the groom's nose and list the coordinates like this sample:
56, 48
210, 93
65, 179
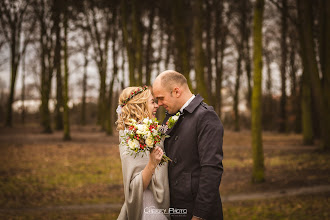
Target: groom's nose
159, 102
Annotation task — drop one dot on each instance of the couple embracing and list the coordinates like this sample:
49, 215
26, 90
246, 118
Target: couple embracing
187, 187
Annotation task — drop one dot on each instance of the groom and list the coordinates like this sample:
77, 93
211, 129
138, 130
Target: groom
195, 147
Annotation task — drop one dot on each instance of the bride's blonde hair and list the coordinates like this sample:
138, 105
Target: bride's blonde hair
136, 108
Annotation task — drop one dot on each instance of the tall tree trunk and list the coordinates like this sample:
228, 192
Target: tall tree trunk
325, 32
161, 45
123, 57
283, 101
114, 74
14, 67
246, 33
169, 47
308, 48
149, 48
209, 53
236, 95
12, 16
219, 48
23, 90
102, 99
66, 117
294, 94
100, 40
198, 50
84, 83
137, 34
247, 61
46, 77
179, 21
46, 36
268, 112
306, 109
240, 43
57, 66
257, 148
128, 43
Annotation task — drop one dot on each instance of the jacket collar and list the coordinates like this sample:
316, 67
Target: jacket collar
194, 103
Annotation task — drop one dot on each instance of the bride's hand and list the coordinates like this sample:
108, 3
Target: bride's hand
156, 155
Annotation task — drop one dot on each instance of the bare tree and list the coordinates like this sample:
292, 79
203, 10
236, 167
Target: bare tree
257, 149
283, 103
320, 83
17, 32
99, 28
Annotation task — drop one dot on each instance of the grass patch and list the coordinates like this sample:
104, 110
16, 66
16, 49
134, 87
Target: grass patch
47, 174
302, 207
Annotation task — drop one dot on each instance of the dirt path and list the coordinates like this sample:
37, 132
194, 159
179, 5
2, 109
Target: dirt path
98, 208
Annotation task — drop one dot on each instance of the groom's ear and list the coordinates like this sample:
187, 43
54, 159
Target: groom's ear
177, 92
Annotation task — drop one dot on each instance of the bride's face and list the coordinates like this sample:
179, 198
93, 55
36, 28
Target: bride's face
152, 106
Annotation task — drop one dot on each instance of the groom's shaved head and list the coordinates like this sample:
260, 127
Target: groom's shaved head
171, 90
171, 78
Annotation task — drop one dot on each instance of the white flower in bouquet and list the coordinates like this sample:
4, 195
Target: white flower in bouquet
148, 134
150, 142
133, 144
155, 132
146, 121
142, 129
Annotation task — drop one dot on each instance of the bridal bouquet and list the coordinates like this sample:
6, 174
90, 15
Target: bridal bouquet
145, 135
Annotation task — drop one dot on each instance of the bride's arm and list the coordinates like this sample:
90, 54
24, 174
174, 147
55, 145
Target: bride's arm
154, 159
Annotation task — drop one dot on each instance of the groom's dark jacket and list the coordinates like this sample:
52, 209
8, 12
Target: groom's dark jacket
195, 147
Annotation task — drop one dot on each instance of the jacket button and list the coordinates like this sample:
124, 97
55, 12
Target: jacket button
176, 182
176, 137
175, 160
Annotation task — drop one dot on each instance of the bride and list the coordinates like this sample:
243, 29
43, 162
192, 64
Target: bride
146, 186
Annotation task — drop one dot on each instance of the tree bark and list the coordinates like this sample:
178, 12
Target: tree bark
294, 90
306, 103
137, 35
14, 67
84, 82
57, 65
100, 41
326, 45
268, 104
11, 21
149, 48
198, 50
257, 148
283, 101
220, 38
66, 117
308, 48
180, 25
23, 90
236, 94
209, 53
114, 74
246, 33
46, 69
128, 42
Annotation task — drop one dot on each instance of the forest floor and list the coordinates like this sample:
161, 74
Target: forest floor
44, 177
